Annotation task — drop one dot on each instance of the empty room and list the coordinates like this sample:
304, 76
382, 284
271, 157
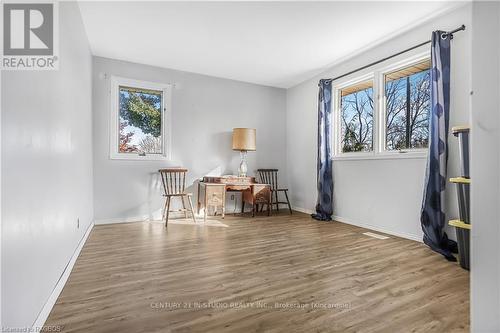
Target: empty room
250, 166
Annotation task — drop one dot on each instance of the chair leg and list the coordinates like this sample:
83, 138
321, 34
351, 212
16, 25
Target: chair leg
269, 204
164, 209
288, 201
253, 210
184, 207
167, 211
277, 202
242, 206
191, 208
205, 208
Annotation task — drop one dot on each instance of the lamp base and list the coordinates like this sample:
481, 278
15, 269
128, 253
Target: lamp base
243, 169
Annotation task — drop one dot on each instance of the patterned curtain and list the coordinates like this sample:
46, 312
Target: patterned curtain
324, 204
432, 214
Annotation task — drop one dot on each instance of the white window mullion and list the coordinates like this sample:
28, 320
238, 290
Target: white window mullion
381, 113
376, 117
338, 126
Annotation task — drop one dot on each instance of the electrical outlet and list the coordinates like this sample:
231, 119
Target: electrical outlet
78, 223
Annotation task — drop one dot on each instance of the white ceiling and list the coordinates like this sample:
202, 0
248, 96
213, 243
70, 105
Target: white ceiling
271, 43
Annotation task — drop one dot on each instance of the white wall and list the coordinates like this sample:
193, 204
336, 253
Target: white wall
205, 109
381, 194
1, 322
46, 172
485, 165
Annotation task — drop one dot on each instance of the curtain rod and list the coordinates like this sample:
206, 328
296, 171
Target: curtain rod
443, 35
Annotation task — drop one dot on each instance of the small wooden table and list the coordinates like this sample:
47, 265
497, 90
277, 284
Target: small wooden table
214, 192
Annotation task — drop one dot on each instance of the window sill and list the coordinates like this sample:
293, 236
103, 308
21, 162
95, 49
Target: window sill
134, 157
382, 156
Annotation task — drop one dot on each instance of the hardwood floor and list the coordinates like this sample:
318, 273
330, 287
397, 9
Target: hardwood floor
130, 276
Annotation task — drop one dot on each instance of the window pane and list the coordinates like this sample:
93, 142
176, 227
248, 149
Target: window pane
140, 121
407, 95
356, 105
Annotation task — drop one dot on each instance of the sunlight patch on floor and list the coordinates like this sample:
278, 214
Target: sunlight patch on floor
374, 235
199, 223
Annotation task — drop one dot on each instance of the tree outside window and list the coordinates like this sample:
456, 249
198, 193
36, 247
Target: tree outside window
140, 121
407, 94
356, 105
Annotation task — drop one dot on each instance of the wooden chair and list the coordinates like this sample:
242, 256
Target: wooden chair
174, 185
270, 176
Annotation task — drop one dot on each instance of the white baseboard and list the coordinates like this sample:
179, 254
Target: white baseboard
341, 219
303, 210
122, 220
47, 308
379, 229
144, 218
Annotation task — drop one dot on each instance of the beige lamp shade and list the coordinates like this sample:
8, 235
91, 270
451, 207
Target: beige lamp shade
244, 139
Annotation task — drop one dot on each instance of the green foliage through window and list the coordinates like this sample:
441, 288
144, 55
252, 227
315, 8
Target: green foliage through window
140, 120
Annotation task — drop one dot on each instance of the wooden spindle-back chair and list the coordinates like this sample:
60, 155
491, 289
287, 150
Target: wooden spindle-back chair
270, 176
174, 185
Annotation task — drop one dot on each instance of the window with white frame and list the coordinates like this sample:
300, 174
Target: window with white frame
407, 104
383, 112
140, 122
356, 117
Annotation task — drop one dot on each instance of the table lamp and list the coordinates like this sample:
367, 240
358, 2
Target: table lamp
244, 141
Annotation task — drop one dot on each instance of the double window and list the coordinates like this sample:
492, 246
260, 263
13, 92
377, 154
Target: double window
139, 120
385, 112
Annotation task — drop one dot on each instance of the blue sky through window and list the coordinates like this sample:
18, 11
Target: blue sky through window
407, 127
357, 117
